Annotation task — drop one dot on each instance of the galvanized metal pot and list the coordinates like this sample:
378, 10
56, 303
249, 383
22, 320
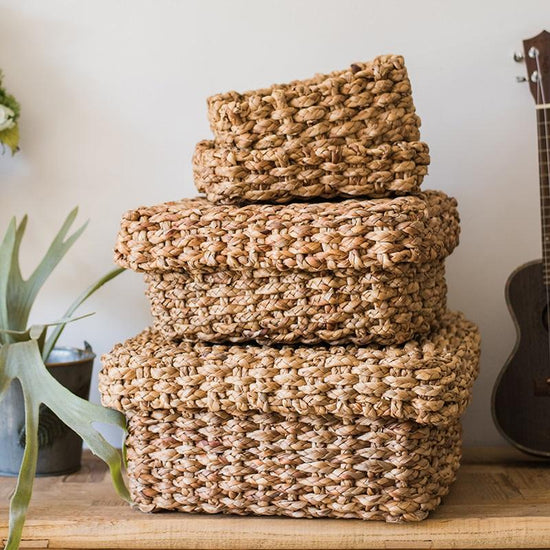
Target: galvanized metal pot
60, 450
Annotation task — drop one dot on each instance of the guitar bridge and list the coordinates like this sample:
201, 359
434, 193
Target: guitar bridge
541, 387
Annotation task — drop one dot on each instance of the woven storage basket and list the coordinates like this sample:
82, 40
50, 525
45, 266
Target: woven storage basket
386, 306
353, 271
318, 169
298, 466
340, 431
370, 103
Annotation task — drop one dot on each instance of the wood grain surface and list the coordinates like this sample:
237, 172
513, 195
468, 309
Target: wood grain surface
521, 398
501, 499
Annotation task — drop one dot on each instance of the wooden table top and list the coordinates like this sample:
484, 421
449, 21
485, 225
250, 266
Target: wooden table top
501, 499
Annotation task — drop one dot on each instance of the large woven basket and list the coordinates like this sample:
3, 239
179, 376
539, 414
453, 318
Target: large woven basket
353, 271
319, 169
369, 103
298, 466
344, 431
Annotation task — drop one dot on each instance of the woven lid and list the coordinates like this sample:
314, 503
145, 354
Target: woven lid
428, 380
196, 235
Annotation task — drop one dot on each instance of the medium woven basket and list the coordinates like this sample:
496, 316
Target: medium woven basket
369, 103
383, 306
352, 271
318, 169
340, 431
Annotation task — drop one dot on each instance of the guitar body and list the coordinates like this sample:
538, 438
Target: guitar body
521, 397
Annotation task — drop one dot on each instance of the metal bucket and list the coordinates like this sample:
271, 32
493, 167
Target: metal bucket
60, 449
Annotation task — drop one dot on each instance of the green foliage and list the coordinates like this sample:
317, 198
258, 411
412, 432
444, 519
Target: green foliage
23, 352
10, 136
8, 100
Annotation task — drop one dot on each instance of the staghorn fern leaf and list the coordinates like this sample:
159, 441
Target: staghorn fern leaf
52, 339
22, 353
23, 361
6, 253
20, 293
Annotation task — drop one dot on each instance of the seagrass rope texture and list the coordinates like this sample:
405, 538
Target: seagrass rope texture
366, 427
377, 305
292, 465
369, 103
427, 380
197, 236
350, 271
319, 169
368, 433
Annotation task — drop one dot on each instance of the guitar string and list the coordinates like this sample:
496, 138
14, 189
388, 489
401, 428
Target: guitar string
542, 154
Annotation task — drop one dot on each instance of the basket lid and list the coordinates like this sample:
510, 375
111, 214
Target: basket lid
427, 380
197, 235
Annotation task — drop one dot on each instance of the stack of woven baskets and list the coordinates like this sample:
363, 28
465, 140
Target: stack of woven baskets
302, 361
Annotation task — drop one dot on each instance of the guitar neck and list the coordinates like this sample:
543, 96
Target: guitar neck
543, 120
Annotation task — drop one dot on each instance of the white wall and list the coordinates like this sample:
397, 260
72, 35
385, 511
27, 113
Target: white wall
113, 95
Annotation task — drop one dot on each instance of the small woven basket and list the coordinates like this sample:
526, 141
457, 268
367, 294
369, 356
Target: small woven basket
353, 271
369, 103
319, 169
343, 431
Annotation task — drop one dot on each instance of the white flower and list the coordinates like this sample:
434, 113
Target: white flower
7, 117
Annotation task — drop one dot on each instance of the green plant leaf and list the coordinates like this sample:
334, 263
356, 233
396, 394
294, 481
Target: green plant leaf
10, 138
5, 380
38, 332
8, 99
20, 293
21, 498
23, 361
21, 350
54, 337
19, 233
6, 253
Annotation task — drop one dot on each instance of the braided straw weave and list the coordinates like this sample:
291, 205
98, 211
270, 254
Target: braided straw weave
350, 432
383, 306
317, 169
343, 431
369, 103
353, 271
298, 466
195, 235
427, 381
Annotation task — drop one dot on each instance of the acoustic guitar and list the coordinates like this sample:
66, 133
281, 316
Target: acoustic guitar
521, 397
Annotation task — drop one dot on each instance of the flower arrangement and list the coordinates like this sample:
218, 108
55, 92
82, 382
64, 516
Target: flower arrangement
9, 115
